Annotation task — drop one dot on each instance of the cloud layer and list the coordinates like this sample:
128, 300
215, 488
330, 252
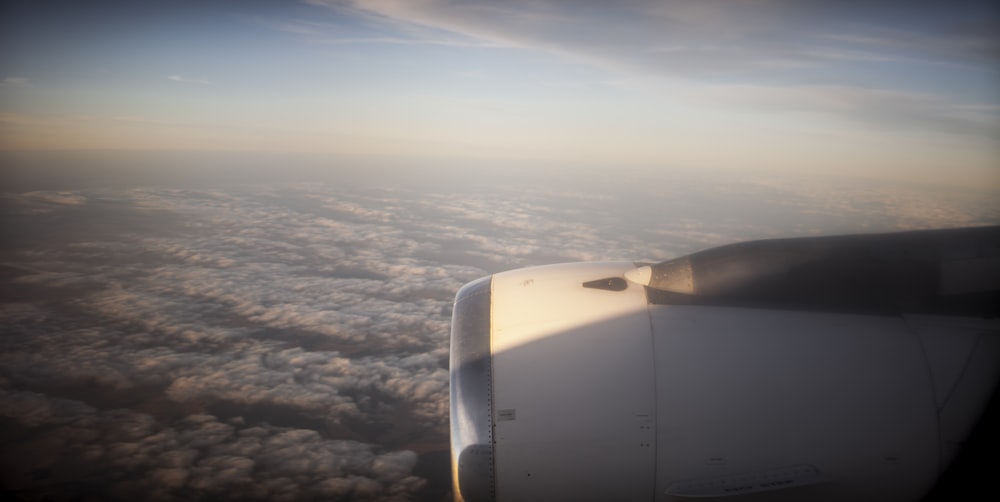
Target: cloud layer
289, 341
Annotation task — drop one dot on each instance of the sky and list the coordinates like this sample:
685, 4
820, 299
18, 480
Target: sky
875, 89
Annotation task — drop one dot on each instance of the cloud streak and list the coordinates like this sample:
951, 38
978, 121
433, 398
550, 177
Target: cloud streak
15, 82
721, 34
778, 48
186, 80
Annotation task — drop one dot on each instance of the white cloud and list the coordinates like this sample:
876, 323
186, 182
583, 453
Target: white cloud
135, 453
15, 82
186, 80
62, 198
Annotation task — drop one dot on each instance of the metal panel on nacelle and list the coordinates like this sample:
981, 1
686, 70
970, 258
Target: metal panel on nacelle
963, 386
741, 390
573, 389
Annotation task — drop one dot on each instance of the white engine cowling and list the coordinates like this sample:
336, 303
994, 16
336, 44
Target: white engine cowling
571, 382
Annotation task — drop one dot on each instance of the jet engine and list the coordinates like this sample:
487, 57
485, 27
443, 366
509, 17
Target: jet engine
822, 368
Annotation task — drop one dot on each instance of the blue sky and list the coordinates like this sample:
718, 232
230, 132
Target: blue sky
893, 90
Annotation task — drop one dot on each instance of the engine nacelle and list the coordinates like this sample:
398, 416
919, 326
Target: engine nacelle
586, 382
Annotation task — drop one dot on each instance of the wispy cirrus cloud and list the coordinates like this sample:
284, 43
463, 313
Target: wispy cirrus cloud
377, 30
187, 80
698, 38
879, 107
863, 55
15, 82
